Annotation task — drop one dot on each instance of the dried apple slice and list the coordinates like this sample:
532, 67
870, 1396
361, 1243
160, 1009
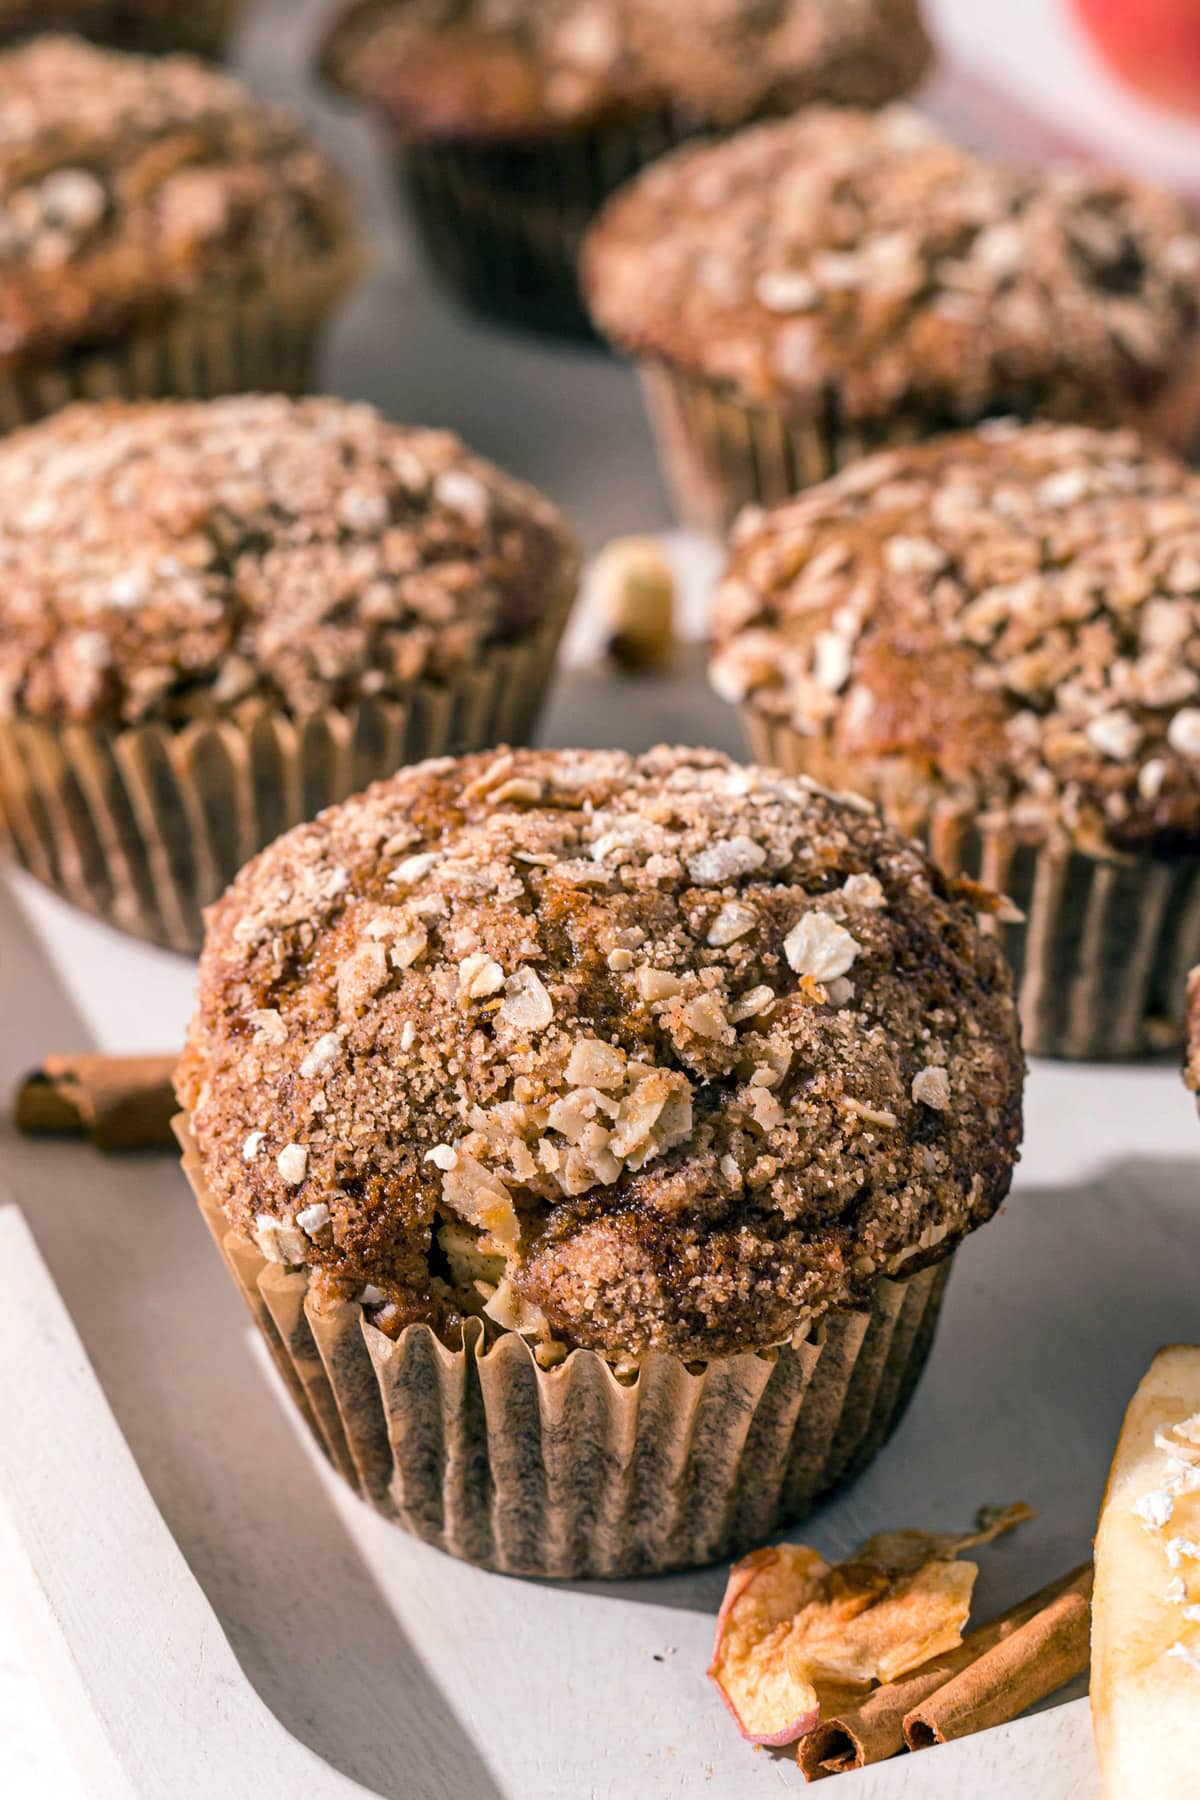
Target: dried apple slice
772, 1702
794, 1634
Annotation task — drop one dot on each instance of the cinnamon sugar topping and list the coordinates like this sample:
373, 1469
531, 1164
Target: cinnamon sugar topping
621, 1109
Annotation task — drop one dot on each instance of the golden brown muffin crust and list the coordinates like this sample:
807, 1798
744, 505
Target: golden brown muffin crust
482, 70
132, 185
862, 268
663, 1052
173, 560
1008, 618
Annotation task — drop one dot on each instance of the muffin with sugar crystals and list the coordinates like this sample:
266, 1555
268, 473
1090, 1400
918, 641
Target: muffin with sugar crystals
842, 280
162, 232
219, 616
514, 122
647, 1098
996, 636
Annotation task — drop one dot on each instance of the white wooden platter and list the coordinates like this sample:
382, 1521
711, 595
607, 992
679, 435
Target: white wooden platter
209, 1614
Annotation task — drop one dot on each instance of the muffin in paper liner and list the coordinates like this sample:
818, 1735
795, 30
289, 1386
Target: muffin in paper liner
148, 27
719, 454
571, 1472
786, 296
265, 340
512, 126
1103, 944
502, 225
145, 827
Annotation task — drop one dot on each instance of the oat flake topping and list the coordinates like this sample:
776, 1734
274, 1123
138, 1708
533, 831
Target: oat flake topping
861, 267
129, 184
1019, 615
174, 560
625, 1119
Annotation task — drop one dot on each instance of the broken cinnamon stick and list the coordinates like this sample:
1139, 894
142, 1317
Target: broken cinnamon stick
873, 1731
119, 1102
1035, 1660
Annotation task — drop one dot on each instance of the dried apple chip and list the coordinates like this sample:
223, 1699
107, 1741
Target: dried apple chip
794, 1633
771, 1702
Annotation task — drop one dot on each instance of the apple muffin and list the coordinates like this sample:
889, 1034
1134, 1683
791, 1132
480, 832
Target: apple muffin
843, 280
549, 1069
219, 616
164, 232
514, 122
996, 637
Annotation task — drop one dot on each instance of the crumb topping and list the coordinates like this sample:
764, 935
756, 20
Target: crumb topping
131, 184
1008, 618
655, 1052
170, 560
862, 263
510, 68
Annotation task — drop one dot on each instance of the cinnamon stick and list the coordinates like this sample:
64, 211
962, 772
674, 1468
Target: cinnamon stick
1035, 1660
873, 1731
119, 1102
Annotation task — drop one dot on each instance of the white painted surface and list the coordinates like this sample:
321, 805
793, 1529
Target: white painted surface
193, 1578
416, 1676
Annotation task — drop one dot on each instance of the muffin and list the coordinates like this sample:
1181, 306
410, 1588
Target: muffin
841, 281
996, 636
150, 26
219, 616
513, 122
162, 232
591, 1135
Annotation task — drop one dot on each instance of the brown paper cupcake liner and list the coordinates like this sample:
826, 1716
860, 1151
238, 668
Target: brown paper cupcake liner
503, 225
264, 342
569, 1472
1102, 953
146, 827
719, 454
201, 27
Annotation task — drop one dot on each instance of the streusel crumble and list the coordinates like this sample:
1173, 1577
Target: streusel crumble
864, 270
1007, 619
513, 69
170, 561
625, 1053
131, 187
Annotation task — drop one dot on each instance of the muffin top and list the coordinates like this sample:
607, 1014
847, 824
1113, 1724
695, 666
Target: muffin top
171, 560
1009, 618
488, 70
129, 184
862, 267
662, 1052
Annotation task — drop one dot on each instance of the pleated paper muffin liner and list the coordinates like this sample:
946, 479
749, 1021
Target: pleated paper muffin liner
146, 827
201, 27
570, 1472
503, 225
260, 342
718, 453
1102, 953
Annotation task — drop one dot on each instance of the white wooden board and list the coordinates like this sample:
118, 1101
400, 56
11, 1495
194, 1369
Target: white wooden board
209, 1613
214, 1594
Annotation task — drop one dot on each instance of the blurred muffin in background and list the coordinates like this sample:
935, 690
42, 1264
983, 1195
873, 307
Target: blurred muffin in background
818, 287
218, 617
201, 27
996, 637
514, 119
162, 232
